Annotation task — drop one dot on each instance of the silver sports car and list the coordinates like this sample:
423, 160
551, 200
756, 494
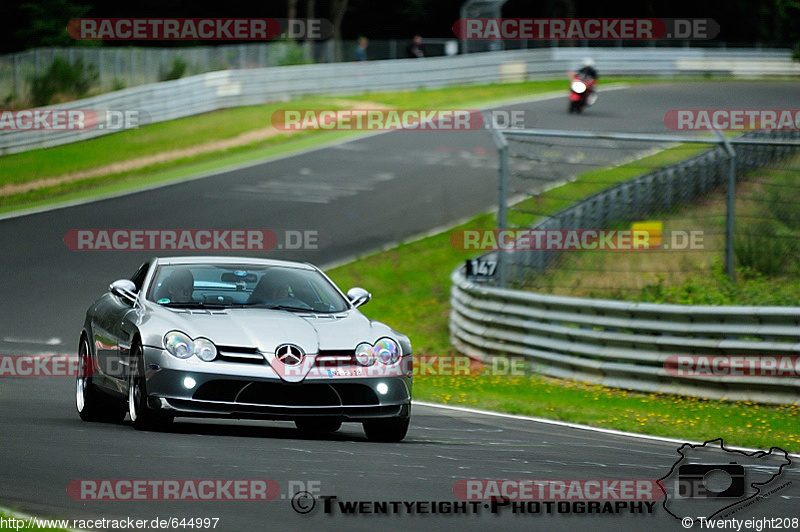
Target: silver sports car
241, 338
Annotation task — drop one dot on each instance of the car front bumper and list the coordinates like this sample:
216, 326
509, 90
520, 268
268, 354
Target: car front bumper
223, 389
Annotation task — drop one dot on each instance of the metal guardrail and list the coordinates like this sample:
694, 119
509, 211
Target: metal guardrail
625, 344
235, 88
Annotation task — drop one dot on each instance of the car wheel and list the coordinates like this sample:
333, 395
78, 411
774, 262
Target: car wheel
142, 416
92, 404
318, 424
387, 430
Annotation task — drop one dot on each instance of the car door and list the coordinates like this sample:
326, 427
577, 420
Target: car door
127, 322
112, 345
108, 313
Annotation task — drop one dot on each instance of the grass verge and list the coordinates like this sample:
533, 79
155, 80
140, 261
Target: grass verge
766, 250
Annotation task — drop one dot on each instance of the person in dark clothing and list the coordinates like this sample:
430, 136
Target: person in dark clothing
361, 50
416, 48
587, 69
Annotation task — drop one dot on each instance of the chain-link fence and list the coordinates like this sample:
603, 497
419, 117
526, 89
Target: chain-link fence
680, 204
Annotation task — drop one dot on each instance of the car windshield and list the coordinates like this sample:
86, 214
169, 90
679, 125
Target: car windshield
240, 286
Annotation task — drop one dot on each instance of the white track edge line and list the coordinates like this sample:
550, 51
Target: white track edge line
568, 424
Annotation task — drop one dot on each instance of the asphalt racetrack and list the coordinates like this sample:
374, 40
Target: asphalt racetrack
358, 196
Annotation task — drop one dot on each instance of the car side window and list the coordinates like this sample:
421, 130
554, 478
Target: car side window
139, 277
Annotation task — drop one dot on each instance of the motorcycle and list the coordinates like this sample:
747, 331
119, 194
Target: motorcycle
581, 92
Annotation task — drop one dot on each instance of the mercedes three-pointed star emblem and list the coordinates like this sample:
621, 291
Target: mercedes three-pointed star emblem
290, 355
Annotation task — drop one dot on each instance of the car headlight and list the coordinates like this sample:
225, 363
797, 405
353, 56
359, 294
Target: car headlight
205, 349
365, 354
387, 351
178, 344
578, 87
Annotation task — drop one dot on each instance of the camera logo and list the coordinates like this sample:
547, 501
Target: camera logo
725, 481
709, 480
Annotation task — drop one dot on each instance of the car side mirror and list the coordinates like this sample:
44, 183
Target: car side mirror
358, 296
123, 288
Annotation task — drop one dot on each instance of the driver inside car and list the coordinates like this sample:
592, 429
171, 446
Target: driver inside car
278, 292
180, 286
268, 291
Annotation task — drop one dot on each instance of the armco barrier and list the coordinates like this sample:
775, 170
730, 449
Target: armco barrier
624, 344
234, 88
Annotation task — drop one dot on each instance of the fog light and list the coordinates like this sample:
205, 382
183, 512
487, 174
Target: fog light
382, 388
189, 383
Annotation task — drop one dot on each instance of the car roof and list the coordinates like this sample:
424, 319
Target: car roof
232, 260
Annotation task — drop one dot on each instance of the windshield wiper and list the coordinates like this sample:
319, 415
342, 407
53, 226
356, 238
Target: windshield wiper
192, 304
289, 307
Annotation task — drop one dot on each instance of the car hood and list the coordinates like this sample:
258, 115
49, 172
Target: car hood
266, 329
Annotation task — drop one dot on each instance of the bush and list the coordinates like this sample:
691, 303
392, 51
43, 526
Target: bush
767, 247
62, 81
294, 55
176, 70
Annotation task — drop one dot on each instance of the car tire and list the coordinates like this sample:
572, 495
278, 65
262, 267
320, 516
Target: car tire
387, 430
142, 416
92, 404
318, 424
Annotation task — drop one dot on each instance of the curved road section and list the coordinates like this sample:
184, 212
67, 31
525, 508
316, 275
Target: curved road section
357, 196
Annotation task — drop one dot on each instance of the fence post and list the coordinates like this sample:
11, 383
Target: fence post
731, 197
502, 195
17, 80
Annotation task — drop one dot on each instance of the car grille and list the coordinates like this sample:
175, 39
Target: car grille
250, 355
267, 393
336, 355
242, 355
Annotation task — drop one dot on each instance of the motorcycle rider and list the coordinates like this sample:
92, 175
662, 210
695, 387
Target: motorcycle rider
587, 69
588, 72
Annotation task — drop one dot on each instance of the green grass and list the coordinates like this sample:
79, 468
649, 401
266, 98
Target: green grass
411, 285
147, 140
162, 173
743, 424
767, 277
